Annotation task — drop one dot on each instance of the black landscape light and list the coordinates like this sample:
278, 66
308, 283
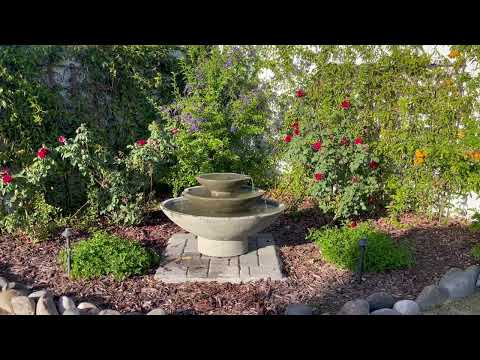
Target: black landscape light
66, 234
361, 261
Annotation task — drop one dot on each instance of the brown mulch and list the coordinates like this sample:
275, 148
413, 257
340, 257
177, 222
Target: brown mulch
310, 280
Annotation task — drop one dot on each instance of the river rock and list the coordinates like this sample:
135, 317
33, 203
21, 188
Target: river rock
355, 307
158, 311
87, 308
109, 312
474, 271
458, 284
73, 311
385, 311
453, 270
46, 306
380, 300
3, 283
65, 303
39, 293
18, 286
431, 295
6, 297
299, 309
407, 307
23, 305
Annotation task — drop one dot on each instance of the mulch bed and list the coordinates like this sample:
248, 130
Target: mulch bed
310, 280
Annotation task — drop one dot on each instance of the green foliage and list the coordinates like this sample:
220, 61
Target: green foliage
103, 254
405, 100
349, 173
476, 252
340, 247
220, 118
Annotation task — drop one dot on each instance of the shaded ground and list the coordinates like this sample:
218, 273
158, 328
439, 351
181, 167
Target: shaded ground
468, 306
310, 280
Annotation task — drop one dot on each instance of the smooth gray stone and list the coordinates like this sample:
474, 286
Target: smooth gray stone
474, 271
380, 300
355, 307
158, 311
385, 311
23, 305
431, 295
299, 309
39, 293
459, 284
87, 308
46, 306
453, 270
109, 312
407, 307
74, 311
65, 303
3, 283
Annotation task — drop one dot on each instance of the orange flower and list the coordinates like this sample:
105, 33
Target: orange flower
454, 54
420, 156
474, 155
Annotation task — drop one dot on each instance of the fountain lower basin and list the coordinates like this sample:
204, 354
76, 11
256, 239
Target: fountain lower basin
222, 234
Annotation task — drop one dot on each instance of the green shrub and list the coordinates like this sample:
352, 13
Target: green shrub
340, 247
105, 254
476, 252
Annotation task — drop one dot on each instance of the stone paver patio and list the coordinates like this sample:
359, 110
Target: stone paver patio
182, 262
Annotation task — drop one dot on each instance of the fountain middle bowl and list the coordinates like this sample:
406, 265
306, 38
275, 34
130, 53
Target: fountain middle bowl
222, 234
200, 197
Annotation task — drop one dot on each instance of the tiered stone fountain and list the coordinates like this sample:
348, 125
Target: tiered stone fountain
222, 213
224, 217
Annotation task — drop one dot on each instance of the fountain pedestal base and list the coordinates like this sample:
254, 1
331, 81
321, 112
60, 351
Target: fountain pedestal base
182, 262
216, 248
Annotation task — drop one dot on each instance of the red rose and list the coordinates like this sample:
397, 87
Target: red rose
345, 141
353, 224
174, 131
295, 125
317, 145
7, 179
42, 153
5, 171
296, 131
358, 140
61, 139
319, 176
299, 93
373, 165
287, 138
141, 142
345, 104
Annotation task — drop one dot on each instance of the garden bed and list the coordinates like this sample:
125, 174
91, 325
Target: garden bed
310, 280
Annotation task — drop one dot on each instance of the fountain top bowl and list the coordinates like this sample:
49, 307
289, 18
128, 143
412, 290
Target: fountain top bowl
223, 184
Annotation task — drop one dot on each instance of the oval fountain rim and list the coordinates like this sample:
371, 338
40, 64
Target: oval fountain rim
281, 207
241, 177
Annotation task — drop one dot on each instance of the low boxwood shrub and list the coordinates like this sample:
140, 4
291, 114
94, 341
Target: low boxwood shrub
340, 247
105, 254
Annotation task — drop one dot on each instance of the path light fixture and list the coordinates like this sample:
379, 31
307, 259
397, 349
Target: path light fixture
66, 234
361, 261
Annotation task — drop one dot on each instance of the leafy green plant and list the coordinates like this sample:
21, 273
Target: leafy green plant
476, 252
220, 118
340, 247
104, 254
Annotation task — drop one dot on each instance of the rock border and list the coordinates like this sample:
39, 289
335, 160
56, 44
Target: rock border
18, 299
455, 284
